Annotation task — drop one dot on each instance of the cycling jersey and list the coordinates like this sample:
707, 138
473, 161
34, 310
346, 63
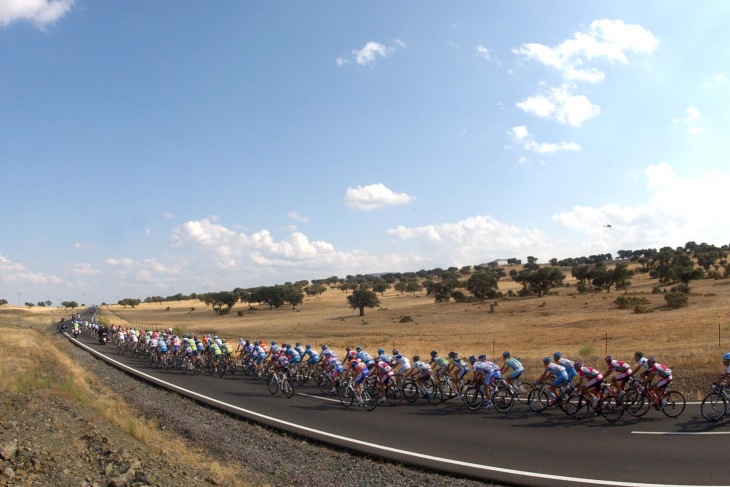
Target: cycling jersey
569, 367
664, 373
385, 371
592, 376
623, 370
558, 372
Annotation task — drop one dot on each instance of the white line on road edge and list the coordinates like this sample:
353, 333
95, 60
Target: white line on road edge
686, 433
375, 446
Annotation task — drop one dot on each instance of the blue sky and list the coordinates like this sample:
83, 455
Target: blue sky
151, 148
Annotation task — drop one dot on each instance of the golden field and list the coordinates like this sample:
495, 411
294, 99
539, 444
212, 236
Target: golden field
586, 326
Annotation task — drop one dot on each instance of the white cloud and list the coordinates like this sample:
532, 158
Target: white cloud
168, 214
83, 269
297, 217
14, 272
38, 12
692, 114
83, 246
484, 52
525, 140
471, 241
561, 105
374, 196
126, 262
605, 39
678, 209
370, 52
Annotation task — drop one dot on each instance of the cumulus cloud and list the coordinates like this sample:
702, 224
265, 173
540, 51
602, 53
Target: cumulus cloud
692, 116
522, 138
168, 214
370, 52
15, 272
83, 269
605, 39
473, 240
374, 196
38, 12
678, 209
561, 105
297, 217
484, 52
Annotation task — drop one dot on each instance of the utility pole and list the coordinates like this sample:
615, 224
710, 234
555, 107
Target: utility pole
19, 294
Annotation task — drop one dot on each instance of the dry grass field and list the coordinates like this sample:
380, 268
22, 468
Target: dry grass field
690, 340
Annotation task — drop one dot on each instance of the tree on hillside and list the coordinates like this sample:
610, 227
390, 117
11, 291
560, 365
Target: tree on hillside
414, 287
401, 286
293, 295
315, 289
69, 304
3, 302
482, 285
540, 280
29, 305
381, 287
362, 298
129, 302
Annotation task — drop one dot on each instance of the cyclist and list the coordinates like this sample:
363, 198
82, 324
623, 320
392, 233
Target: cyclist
360, 373
641, 362
458, 368
511, 363
311, 355
592, 378
725, 375
363, 356
422, 373
385, 372
384, 356
559, 374
439, 364
567, 363
623, 372
665, 377
488, 371
401, 364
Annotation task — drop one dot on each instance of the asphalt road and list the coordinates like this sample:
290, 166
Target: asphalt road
521, 447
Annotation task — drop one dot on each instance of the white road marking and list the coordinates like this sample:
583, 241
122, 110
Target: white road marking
375, 446
680, 433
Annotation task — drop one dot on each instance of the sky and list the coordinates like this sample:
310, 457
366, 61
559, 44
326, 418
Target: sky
156, 148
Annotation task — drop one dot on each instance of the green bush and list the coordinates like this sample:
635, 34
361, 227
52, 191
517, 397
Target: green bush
676, 299
627, 302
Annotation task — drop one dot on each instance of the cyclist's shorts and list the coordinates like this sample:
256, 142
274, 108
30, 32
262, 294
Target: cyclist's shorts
492, 376
664, 382
312, 360
625, 375
516, 374
361, 377
561, 379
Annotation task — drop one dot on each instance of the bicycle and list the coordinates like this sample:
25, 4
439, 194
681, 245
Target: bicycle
541, 397
412, 390
639, 399
280, 382
607, 405
368, 397
502, 398
714, 405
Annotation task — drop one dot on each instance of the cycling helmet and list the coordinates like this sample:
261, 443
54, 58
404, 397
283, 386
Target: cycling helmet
651, 362
608, 358
381, 351
506, 355
577, 364
726, 356
324, 347
308, 347
395, 351
472, 359
376, 360
216, 338
482, 358
353, 363
224, 340
434, 353
416, 358
272, 342
557, 355
546, 360
452, 354
348, 349
638, 355
288, 346
358, 348
297, 344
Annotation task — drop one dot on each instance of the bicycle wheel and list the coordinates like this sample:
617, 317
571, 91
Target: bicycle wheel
287, 389
184, 369
502, 399
675, 404
221, 368
434, 394
636, 403
231, 366
577, 407
346, 395
272, 383
522, 391
449, 389
611, 408
473, 398
325, 385
369, 398
410, 391
538, 400
714, 407
301, 377
393, 393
